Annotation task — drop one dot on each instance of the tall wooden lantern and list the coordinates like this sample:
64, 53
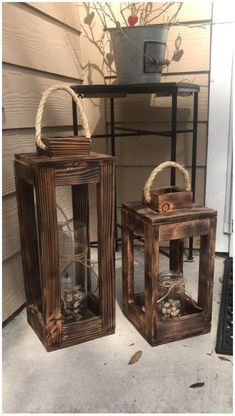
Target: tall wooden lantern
69, 299
164, 310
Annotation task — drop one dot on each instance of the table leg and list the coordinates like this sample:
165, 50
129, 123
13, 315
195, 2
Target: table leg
173, 134
194, 161
113, 151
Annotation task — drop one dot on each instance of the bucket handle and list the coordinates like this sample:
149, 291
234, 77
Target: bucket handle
157, 170
43, 100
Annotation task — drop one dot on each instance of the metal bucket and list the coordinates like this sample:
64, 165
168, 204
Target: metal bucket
139, 53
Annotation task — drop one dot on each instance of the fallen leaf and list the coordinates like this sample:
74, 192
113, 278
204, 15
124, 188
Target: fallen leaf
209, 354
135, 357
195, 385
130, 345
224, 359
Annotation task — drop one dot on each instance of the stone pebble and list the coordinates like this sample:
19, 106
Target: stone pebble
170, 308
71, 305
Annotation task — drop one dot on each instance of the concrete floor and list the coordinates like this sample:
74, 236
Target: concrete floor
95, 377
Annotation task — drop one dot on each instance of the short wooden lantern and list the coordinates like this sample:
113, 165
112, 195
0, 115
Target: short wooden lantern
164, 311
64, 305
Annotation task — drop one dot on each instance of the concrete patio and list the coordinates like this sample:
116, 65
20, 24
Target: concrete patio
95, 377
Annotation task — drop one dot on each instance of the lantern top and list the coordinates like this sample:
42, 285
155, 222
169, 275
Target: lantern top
146, 214
35, 160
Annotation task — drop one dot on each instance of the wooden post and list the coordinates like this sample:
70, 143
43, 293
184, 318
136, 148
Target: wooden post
49, 256
151, 276
127, 263
106, 254
206, 270
28, 238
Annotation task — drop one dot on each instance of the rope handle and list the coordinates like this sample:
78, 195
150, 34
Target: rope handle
43, 100
157, 170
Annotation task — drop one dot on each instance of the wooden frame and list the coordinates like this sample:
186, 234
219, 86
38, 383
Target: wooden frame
39, 242
141, 308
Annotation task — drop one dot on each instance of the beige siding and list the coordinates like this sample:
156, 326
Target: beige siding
41, 47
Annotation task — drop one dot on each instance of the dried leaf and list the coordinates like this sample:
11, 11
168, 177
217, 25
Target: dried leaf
195, 385
135, 357
224, 359
130, 345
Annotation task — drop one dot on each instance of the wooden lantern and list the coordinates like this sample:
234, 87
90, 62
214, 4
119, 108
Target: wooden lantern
179, 220
37, 178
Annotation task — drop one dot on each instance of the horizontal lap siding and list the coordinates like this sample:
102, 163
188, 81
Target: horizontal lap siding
41, 47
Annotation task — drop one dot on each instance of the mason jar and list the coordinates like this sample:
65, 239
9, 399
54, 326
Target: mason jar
171, 294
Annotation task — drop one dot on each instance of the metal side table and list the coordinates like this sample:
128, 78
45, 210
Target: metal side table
172, 89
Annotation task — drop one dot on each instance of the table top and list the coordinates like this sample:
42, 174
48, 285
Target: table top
121, 90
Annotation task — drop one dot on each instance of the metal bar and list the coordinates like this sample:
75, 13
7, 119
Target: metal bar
113, 152
173, 133
138, 133
194, 147
194, 161
75, 118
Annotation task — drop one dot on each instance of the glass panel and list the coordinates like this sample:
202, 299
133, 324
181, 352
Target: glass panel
73, 249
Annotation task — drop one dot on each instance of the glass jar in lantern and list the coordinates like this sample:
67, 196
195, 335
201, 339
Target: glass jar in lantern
73, 263
171, 289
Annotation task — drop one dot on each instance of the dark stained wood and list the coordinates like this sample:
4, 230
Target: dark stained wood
169, 199
56, 146
206, 270
185, 229
127, 263
145, 214
60, 162
174, 226
83, 174
43, 298
105, 232
151, 278
28, 237
49, 256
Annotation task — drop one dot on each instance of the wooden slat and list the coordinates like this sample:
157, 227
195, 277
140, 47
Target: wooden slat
105, 209
29, 41
183, 230
29, 239
22, 91
127, 263
194, 45
13, 286
67, 13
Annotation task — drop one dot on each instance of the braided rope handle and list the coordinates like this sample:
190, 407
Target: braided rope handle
157, 170
43, 100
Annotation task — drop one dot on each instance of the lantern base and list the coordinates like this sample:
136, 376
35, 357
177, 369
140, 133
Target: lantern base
72, 333
192, 323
